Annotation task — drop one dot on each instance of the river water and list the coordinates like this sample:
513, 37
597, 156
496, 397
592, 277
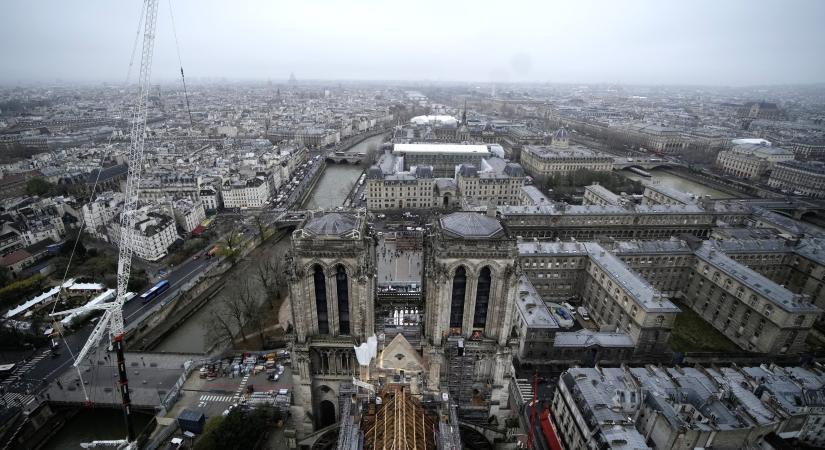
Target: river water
330, 191
192, 335
677, 182
338, 179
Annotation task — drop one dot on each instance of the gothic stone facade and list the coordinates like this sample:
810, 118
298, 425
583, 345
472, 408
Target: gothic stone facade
331, 282
471, 284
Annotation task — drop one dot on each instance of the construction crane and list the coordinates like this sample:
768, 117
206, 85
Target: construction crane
112, 319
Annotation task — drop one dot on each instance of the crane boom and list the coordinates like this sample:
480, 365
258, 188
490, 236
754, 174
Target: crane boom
113, 312
135, 158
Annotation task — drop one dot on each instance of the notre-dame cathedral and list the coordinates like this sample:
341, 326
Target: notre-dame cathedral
447, 333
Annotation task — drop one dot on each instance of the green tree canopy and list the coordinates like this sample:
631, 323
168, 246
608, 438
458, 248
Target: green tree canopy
237, 430
38, 186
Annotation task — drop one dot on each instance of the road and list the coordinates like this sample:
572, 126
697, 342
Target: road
46, 364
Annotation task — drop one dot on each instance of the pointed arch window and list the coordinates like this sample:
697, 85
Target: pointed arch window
321, 299
342, 288
482, 298
457, 302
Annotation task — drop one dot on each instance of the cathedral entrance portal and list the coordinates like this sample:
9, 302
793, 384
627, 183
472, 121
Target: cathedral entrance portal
326, 415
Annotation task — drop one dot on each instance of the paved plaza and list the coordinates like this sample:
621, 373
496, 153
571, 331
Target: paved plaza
396, 265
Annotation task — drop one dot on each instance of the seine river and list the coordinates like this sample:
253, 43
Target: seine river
330, 191
677, 182
338, 179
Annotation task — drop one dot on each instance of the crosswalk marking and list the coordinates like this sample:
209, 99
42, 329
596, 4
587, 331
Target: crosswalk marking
16, 399
20, 370
216, 398
241, 387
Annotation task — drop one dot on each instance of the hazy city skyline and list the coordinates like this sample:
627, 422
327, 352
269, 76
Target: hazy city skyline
640, 42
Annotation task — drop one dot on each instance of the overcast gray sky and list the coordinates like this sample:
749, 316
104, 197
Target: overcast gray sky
719, 42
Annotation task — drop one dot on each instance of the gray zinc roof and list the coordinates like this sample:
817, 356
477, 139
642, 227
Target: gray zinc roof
767, 288
588, 338
645, 295
332, 224
532, 308
470, 225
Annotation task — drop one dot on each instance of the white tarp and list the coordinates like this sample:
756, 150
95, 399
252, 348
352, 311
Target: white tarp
86, 287
102, 298
367, 351
35, 301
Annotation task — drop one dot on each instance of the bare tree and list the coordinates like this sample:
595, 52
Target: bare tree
218, 328
254, 319
372, 153
234, 306
230, 245
268, 276
264, 230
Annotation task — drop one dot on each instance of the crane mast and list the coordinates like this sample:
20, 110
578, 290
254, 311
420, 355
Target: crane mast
112, 319
113, 312
135, 158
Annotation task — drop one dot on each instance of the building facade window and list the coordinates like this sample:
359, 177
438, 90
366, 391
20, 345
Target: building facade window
342, 288
482, 298
457, 302
321, 299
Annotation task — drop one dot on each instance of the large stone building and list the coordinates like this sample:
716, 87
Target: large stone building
471, 284
153, 234
442, 157
751, 160
596, 194
493, 181
332, 284
98, 213
588, 222
413, 189
188, 214
645, 273
751, 310
801, 178
496, 183
468, 313
619, 299
659, 139
656, 407
156, 187
560, 158
660, 194
805, 151
250, 193
760, 110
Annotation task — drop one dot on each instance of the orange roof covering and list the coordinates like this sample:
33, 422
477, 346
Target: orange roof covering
400, 423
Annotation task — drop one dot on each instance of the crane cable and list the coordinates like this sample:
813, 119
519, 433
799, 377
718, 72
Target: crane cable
59, 329
180, 62
137, 38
